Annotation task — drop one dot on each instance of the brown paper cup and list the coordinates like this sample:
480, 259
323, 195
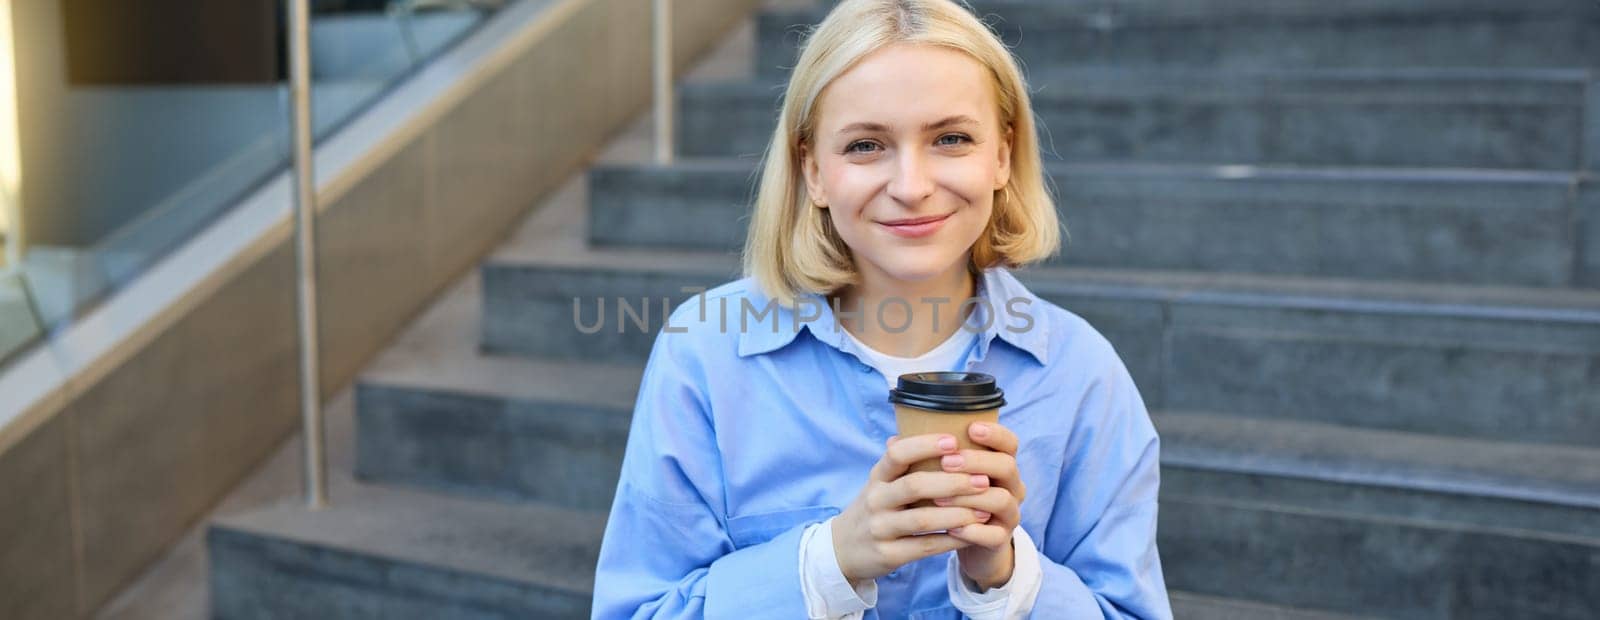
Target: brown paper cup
944, 402
917, 421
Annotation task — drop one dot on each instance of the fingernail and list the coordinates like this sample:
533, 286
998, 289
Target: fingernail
943, 501
981, 481
980, 429
953, 461
947, 443
982, 516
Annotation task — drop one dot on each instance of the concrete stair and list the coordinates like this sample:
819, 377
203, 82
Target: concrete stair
1418, 512
1375, 566
1500, 119
1368, 332
1382, 355
1247, 34
459, 421
390, 553
441, 526
1199, 607
435, 412
1511, 228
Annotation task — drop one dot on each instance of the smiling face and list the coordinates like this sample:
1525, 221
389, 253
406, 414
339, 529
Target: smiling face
906, 154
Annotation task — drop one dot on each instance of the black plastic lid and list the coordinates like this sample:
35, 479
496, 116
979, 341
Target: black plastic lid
956, 392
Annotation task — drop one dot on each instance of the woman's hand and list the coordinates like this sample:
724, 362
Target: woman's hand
989, 559
874, 534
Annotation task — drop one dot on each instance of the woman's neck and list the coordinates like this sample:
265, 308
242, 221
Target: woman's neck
921, 332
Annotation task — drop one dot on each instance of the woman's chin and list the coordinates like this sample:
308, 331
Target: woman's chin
921, 270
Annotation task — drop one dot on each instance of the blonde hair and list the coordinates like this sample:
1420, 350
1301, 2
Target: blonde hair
792, 248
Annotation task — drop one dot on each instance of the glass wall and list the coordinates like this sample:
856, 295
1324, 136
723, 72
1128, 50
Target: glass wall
132, 132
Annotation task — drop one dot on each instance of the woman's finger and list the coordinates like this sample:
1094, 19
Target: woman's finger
982, 535
905, 550
995, 501
902, 453
1001, 468
913, 521
993, 436
921, 485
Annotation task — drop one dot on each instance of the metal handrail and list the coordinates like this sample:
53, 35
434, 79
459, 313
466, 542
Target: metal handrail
663, 82
305, 202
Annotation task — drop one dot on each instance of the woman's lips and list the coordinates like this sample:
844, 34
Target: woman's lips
921, 229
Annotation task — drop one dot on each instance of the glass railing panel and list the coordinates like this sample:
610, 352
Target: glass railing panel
19, 323
123, 167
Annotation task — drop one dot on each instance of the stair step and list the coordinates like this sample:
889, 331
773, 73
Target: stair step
1375, 473
1494, 363
1464, 119
1363, 471
396, 554
1374, 566
463, 431
1244, 497
1190, 606
1252, 508
1454, 226
433, 412
1242, 34
387, 553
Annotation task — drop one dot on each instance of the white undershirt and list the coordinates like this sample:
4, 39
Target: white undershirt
940, 359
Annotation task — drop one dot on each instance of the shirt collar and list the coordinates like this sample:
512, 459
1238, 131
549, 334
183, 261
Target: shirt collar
1022, 324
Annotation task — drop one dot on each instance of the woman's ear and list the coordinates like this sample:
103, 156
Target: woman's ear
1002, 172
813, 176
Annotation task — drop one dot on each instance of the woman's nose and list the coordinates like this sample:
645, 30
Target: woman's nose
912, 182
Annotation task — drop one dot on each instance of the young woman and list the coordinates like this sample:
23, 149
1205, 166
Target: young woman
762, 477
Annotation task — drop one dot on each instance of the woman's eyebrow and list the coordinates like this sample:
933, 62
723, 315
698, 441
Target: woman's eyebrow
959, 119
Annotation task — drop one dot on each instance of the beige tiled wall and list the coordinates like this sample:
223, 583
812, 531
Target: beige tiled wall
36, 565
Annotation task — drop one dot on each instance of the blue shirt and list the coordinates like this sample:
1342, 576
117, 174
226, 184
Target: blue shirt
743, 436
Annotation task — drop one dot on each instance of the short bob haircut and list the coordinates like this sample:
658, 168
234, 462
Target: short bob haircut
792, 248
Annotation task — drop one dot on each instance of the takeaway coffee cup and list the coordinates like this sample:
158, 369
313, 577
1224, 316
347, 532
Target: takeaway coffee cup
944, 402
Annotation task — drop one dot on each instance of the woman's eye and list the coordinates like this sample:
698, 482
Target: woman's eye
868, 146
953, 139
